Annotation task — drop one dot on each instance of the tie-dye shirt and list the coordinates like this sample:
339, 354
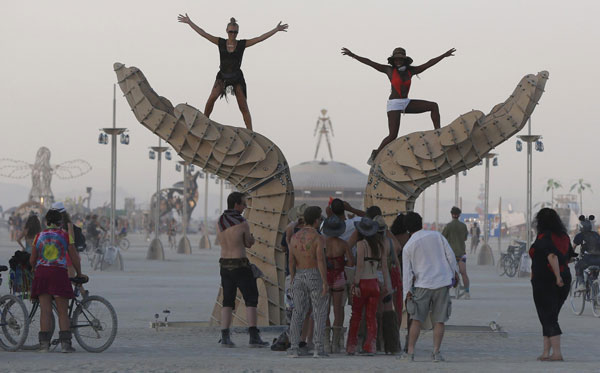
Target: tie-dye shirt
51, 245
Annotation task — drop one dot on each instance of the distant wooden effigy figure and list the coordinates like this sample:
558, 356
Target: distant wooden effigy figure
248, 160
408, 165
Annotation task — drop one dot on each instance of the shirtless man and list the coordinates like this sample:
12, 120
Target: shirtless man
308, 275
234, 236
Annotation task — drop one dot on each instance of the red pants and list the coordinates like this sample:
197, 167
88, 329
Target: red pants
369, 298
396, 279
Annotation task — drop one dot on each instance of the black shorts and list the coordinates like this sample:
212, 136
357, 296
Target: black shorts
239, 278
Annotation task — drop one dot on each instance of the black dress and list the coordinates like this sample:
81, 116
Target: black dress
230, 73
547, 296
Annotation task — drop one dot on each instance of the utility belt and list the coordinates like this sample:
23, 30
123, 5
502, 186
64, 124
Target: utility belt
234, 263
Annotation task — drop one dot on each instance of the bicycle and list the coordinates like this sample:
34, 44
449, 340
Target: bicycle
590, 294
106, 256
509, 262
93, 321
13, 320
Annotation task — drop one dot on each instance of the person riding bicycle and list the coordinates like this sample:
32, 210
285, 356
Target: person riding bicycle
456, 233
590, 249
93, 231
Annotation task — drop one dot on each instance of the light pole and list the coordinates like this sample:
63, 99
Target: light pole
529, 139
456, 201
437, 206
155, 251
204, 240
485, 256
103, 139
184, 246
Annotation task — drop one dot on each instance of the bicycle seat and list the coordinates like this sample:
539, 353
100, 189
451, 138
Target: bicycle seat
3, 268
79, 280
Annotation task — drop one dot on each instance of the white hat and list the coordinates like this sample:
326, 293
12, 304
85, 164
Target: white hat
58, 206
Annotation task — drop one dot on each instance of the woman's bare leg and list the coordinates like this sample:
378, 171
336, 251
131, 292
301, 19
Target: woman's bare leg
546, 352
338, 308
243, 105
393, 126
422, 106
45, 312
62, 305
214, 94
556, 352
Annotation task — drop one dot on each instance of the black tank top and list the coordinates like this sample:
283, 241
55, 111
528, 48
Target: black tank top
231, 62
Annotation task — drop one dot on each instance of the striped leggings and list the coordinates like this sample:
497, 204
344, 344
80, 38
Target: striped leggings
306, 289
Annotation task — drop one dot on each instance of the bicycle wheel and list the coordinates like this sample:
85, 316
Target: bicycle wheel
577, 299
500, 265
94, 324
510, 266
32, 342
596, 298
14, 322
124, 243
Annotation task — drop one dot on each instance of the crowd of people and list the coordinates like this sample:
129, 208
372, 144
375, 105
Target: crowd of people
344, 255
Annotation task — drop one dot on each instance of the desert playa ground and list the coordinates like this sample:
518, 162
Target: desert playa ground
187, 286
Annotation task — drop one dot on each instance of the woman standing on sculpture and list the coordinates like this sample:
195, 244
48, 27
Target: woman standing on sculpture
230, 74
400, 71
550, 277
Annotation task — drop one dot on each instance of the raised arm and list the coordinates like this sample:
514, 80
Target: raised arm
266, 35
204, 34
379, 67
352, 210
431, 62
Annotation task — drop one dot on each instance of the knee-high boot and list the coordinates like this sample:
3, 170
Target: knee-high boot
327, 339
391, 335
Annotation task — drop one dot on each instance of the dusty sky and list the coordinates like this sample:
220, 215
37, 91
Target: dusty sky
56, 80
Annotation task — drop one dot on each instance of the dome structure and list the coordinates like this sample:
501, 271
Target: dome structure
315, 182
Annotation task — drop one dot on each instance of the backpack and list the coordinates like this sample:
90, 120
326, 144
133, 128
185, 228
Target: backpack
79, 238
591, 243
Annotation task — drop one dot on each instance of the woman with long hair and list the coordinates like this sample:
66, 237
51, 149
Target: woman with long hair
400, 71
230, 74
550, 278
32, 228
371, 256
338, 255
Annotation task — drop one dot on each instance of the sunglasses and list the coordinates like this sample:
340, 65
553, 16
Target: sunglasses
232, 32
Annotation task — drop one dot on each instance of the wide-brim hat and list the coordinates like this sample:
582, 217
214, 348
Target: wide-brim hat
333, 226
367, 227
399, 53
381, 223
297, 212
58, 206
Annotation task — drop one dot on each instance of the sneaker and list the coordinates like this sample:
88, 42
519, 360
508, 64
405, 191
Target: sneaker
467, 296
437, 357
297, 352
406, 357
320, 353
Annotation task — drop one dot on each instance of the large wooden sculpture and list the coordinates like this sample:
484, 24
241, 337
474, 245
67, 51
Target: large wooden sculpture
248, 160
408, 165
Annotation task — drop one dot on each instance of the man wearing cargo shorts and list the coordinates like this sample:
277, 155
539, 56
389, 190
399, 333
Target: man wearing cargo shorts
429, 265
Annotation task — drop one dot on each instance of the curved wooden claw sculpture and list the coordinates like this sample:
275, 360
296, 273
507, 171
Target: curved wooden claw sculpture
408, 165
248, 160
